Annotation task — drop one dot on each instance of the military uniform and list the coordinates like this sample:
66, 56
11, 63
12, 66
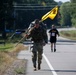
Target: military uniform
38, 36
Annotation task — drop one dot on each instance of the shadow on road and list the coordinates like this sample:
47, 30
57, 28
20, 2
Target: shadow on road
58, 70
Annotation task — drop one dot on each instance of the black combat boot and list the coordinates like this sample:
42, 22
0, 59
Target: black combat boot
34, 67
39, 66
54, 50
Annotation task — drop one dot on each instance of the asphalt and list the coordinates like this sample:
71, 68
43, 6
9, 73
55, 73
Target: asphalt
30, 70
63, 60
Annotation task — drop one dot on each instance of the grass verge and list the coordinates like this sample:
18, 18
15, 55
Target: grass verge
8, 55
71, 34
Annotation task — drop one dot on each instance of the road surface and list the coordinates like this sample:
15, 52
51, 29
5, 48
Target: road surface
61, 62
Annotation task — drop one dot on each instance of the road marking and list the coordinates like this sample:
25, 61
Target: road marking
50, 66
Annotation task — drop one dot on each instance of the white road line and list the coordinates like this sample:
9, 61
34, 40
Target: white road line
50, 66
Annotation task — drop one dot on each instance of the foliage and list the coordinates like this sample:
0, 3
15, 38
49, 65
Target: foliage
33, 9
5, 14
65, 14
73, 13
20, 17
73, 1
68, 13
35, 2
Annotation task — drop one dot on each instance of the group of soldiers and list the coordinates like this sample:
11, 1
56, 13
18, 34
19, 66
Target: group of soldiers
38, 35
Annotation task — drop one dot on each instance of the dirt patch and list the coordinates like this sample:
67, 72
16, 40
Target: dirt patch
5, 62
17, 68
8, 59
17, 49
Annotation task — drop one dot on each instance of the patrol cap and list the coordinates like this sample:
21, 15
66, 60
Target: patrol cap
37, 21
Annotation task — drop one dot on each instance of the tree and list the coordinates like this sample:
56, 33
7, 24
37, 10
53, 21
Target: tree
9, 16
73, 1
32, 9
73, 13
5, 13
36, 2
65, 14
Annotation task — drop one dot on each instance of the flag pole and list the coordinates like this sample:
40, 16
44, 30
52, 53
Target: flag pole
53, 12
26, 32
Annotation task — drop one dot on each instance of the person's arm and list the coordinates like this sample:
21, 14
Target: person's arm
49, 32
58, 33
29, 35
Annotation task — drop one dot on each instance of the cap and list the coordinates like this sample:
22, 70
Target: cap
37, 21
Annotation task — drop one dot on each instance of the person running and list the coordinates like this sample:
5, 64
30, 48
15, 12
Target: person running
39, 38
53, 37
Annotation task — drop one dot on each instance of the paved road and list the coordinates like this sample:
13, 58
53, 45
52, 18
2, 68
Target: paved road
61, 62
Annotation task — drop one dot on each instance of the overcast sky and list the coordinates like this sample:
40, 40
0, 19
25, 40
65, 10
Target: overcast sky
61, 0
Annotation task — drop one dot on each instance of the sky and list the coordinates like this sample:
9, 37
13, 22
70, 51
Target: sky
61, 0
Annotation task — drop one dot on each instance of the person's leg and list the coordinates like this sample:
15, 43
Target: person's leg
55, 47
34, 55
54, 44
34, 58
51, 47
40, 51
39, 59
51, 42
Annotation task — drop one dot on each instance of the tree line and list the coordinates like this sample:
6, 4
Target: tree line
68, 13
17, 14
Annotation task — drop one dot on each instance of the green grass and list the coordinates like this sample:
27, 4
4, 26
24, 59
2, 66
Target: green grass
69, 34
6, 47
20, 70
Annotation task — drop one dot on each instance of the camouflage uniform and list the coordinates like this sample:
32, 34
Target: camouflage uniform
37, 51
38, 37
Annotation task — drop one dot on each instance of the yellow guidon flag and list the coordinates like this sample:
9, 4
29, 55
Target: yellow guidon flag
51, 14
